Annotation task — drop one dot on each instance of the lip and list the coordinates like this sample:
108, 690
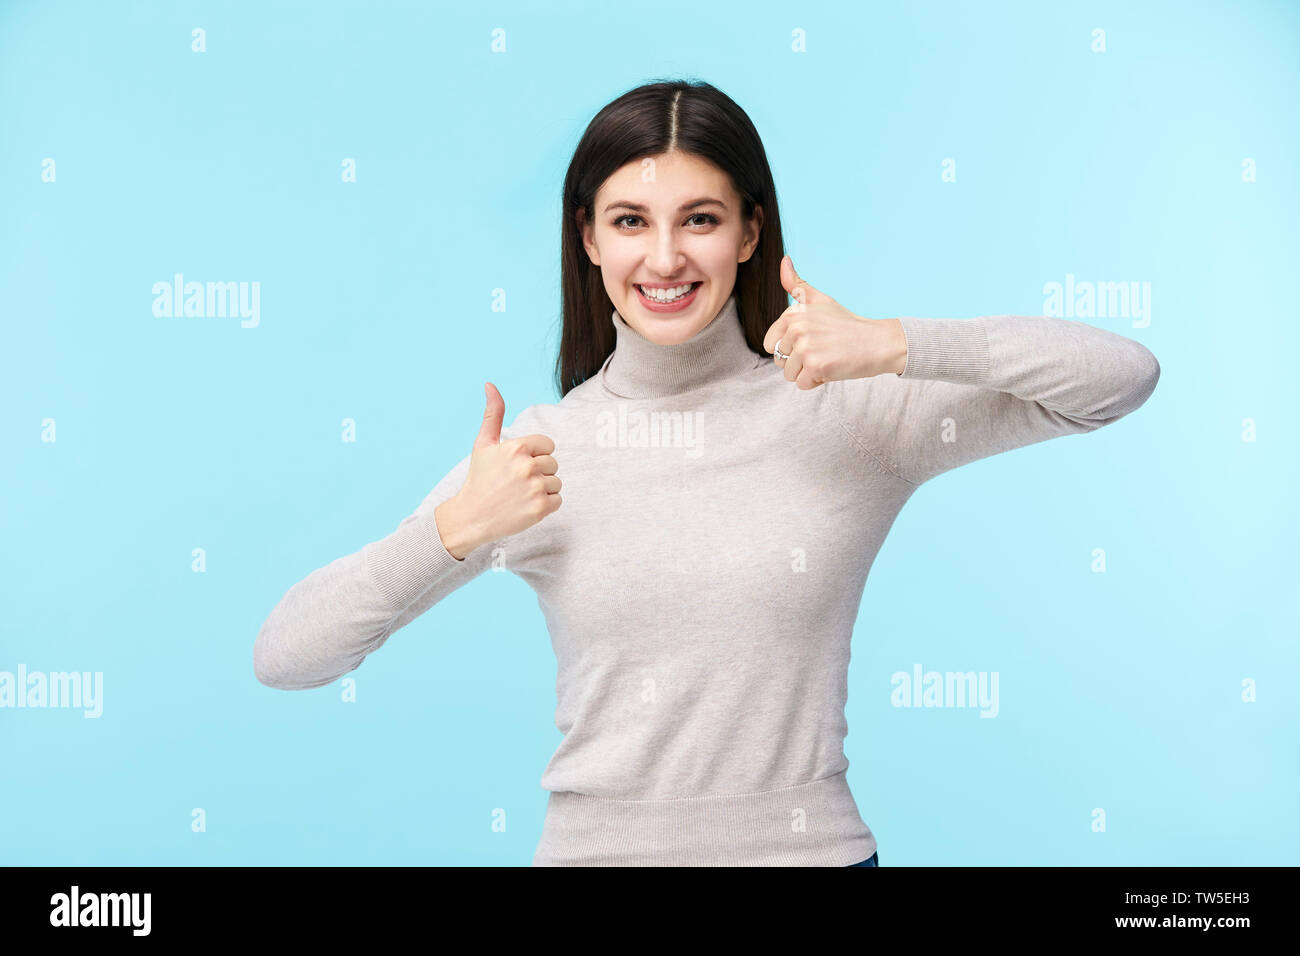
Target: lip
678, 306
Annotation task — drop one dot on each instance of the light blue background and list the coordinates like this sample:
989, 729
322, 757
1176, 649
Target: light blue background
1119, 690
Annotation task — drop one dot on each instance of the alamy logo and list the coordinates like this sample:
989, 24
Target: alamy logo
102, 909
199, 300
56, 689
949, 689
649, 430
1086, 300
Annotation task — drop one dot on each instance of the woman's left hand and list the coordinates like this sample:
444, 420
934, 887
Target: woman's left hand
826, 342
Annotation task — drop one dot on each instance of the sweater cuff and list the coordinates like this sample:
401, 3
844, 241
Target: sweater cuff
404, 564
953, 350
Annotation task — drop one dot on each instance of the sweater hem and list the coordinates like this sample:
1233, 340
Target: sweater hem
813, 824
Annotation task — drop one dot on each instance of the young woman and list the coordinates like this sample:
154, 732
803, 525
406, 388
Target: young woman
732, 464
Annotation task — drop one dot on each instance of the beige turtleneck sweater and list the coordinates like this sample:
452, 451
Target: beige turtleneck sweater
701, 580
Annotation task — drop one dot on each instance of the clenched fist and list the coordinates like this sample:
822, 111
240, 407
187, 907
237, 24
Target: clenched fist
511, 486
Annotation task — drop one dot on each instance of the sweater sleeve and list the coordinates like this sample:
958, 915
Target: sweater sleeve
327, 623
972, 388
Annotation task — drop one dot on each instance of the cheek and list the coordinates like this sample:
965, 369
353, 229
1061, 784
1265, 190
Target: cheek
716, 258
618, 260
717, 250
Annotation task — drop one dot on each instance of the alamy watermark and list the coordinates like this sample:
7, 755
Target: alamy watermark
200, 300
1102, 300
56, 689
76, 908
945, 689
622, 428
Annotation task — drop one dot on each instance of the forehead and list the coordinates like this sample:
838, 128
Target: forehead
665, 178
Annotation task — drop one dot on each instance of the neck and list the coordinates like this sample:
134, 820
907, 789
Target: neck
639, 368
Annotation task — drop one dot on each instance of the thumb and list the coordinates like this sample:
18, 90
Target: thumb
802, 292
490, 432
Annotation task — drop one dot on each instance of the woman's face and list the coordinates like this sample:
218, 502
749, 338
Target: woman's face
666, 222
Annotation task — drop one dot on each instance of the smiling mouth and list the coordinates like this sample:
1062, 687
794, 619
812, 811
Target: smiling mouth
683, 290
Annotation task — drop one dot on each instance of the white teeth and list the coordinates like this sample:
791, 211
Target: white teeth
666, 295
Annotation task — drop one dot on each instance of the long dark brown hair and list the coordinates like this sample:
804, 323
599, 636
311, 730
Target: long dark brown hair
692, 117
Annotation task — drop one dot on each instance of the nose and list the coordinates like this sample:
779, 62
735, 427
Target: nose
664, 257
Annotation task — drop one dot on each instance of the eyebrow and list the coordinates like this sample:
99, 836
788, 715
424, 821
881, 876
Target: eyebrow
637, 207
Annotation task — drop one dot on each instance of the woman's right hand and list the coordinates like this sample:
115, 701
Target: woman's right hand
511, 486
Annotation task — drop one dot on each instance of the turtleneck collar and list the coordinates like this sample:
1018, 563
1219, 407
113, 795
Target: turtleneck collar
639, 368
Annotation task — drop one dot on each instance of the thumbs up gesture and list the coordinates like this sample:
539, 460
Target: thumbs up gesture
511, 485
825, 342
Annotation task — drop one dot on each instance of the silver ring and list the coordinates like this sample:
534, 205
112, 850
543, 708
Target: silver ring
776, 351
